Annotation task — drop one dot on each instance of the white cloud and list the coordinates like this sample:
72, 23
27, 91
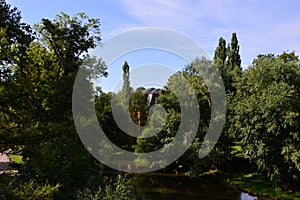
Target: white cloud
157, 12
262, 26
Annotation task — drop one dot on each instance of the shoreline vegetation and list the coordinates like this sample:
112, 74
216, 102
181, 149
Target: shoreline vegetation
251, 183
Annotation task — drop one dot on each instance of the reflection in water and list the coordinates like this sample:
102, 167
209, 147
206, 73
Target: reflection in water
245, 196
172, 187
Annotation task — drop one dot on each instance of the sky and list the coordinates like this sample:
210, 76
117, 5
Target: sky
261, 26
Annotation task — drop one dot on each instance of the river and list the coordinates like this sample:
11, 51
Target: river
156, 186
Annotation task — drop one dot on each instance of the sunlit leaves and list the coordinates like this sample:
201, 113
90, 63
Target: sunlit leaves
266, 114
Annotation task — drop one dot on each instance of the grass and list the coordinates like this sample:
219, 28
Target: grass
244, 177
254, 183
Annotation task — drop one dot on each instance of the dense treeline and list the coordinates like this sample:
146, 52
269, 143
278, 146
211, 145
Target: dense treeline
38, 66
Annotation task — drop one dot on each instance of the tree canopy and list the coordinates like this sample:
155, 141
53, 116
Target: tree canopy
266, 115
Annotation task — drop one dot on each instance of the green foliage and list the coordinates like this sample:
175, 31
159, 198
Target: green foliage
221, 55
69, 37
107, 122
161, 137
138, 108
234, 59
16, 159
220, 154
119, 187
94, 68
166, 127
126, 89
31, 190
15, 38
228, 61
124, 101
266, 115
37, 97
37, 72
255, 183
65, 162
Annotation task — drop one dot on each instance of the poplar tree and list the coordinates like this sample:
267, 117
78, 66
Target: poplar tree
221, 55
126, 82
228, 61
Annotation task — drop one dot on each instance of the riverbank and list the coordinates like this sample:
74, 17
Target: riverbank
251, 183
255, 184
231, 184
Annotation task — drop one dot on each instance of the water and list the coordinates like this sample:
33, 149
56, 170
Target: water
173, 187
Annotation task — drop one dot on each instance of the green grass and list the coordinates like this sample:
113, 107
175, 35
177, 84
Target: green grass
252, 183
242, 177
255, 184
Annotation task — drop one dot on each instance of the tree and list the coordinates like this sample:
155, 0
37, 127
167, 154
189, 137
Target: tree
67, 38
221, 55
103, 106
126, 90
233, 64
228, 61
42, 85
40, 101
266, 116
166, 126
138, 107
15, 38
234, 59
119, 113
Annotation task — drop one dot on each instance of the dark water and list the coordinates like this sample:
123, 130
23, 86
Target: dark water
173, 187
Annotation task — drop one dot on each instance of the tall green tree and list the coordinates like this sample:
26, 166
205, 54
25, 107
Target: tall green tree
67, 38
120, 115
228, 61
40, 101
15, 39
126, 90
266, 116
233, 64
221, 55
234, 58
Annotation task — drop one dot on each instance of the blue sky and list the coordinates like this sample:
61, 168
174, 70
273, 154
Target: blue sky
261, 26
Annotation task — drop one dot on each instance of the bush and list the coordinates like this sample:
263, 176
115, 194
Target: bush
65, 162
30, 190
119, 187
